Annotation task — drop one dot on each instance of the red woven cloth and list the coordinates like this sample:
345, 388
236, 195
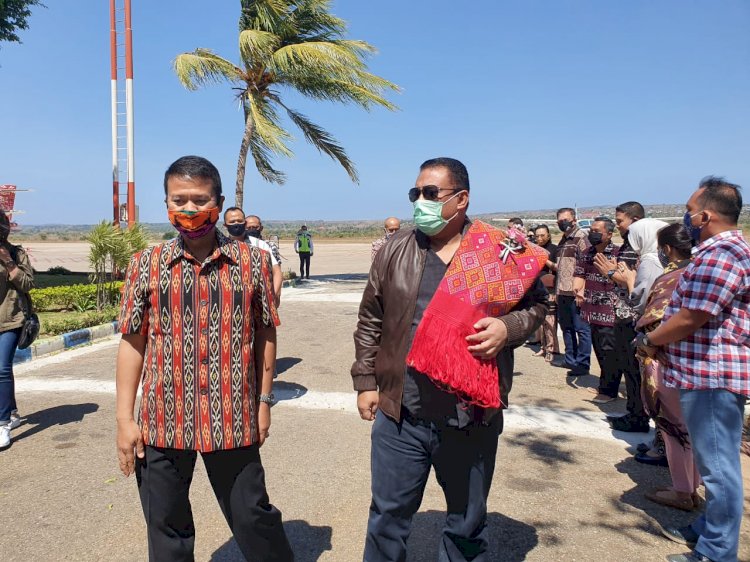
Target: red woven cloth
483, 279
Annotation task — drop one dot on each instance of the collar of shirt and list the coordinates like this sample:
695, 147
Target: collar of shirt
706, 244
607, 251
225, 247
567, 235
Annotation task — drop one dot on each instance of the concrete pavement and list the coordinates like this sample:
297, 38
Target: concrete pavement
565, 488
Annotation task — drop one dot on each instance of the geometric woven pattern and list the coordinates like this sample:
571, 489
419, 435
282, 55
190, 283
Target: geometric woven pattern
198, 382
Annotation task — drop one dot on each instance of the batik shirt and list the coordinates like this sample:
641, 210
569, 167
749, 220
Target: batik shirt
599, 292
199, 387
717, 355
624, 310
570, 246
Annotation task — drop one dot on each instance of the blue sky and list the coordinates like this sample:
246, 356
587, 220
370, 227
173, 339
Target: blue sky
548, 103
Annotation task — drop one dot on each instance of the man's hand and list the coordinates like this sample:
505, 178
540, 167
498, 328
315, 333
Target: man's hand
367, 404
128, 438
264, 422
644, 346
579, 296
491, 337
604, 265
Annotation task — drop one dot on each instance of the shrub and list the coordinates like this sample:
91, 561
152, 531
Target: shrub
71, 297
89, 319
58, 270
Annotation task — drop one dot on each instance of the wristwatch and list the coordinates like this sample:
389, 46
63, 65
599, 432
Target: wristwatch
269, 399
643, 341
611, 274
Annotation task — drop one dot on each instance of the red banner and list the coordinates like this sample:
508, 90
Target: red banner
7, 198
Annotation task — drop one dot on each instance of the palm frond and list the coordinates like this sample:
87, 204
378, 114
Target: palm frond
262, 158
257, 46
264, 15
316, 56
323, 141
364, 89
201, 67
266, 128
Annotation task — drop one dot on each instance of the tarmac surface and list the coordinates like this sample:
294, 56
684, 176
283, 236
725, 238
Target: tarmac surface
565, 487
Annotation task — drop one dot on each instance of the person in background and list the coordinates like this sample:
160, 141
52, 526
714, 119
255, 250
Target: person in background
216, 345
704, 341
516, 223
576, 332
550, 345
595, 295
235, 224
391, 227
16, 280
254, 237
303, 246
662, 402
643, 241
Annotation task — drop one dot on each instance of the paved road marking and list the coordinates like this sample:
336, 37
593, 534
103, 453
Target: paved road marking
65, 356
518, 418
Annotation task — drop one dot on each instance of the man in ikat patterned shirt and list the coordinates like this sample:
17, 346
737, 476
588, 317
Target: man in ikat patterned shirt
199, 328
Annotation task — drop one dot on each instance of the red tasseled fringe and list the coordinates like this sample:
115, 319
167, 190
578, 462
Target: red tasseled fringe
443, 356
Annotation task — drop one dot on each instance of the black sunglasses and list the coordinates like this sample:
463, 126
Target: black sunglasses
430, 192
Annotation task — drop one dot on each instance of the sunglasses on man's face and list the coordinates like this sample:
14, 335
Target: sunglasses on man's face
430, 192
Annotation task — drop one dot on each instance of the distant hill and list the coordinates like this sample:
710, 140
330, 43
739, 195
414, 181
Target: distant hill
286, 229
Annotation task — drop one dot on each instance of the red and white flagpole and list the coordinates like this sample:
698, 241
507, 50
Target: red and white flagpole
129, 112
113, 55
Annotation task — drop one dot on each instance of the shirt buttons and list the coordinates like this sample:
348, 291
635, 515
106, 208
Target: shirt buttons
204, 361
204, 331
204, 303
204, 391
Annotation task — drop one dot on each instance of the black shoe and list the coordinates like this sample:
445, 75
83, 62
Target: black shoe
642, 447
562, 364
688, 557
680, 535
577, 373
653, 461
630, 423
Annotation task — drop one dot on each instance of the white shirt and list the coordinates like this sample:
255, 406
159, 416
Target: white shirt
262, 245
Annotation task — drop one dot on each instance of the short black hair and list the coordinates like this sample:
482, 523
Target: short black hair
632, 209
231, 209
721, 197
544, 226
516, 220
676, 236
458, 171
608, 222
570, 210
194, 167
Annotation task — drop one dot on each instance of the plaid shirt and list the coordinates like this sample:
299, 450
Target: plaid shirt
717, 356
199, 381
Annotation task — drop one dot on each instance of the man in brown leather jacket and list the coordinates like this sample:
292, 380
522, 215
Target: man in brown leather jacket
418, 425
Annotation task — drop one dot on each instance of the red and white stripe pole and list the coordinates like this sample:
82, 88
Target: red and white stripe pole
129, 112
113, 54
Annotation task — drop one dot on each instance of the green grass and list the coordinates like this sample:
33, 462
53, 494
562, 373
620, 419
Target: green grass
55, 323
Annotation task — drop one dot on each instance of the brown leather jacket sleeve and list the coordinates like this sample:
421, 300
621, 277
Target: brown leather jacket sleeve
527, 315
369, 329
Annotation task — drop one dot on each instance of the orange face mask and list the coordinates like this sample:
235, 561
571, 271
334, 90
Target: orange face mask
194, 224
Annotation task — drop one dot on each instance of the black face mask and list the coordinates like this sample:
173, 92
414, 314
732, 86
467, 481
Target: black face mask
254, 232
564, 225
236, 229
663, 258
595, 238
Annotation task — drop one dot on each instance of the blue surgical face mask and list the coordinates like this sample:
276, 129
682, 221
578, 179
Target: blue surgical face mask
695, 231
428, 216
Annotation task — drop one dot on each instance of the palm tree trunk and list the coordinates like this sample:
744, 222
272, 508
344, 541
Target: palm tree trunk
242, 161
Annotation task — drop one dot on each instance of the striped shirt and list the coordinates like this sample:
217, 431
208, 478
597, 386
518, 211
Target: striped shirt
199, 381
716, 356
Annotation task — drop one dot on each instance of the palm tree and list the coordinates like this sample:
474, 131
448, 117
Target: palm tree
293, 45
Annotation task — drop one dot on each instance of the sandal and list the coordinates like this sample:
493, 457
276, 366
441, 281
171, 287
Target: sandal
670, 498
539, 353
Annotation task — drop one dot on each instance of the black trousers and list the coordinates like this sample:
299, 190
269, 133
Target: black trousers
401, 458
615, 352
304, 264
238, 480
603, 340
